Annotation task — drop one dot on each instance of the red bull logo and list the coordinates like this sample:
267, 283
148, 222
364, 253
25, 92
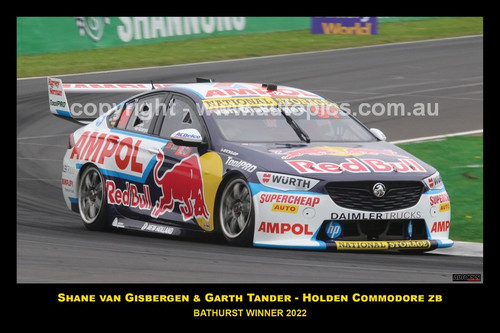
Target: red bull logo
183, 184
334, 151
355, 165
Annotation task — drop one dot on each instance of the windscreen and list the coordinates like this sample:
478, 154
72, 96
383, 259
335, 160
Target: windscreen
265, 119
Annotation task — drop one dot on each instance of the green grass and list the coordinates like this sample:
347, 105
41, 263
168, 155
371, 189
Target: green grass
459, 160
222, 48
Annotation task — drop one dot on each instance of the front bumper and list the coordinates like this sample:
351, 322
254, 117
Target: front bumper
307, 220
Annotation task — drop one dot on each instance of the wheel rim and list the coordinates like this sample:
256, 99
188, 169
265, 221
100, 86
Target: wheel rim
90, 195
235, 208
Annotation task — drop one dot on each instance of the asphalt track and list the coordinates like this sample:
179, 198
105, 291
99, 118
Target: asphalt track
53, 246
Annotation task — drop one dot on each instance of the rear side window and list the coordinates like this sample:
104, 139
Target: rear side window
115, 116
140, 115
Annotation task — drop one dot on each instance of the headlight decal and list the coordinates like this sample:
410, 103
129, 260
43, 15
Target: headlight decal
433, 182
256, 188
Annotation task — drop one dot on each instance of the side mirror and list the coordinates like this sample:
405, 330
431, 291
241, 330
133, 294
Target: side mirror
187, 137
378, 134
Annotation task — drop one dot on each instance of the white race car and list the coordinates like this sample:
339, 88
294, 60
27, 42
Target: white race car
259, 164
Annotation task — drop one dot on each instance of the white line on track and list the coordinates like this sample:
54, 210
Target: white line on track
40, 179
416, 92
39, 159
40, 144
41, 136
438, 137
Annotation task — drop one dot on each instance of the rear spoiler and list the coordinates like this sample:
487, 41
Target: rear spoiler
60, 107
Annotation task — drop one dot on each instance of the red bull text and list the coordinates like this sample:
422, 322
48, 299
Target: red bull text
129, 197
354, 165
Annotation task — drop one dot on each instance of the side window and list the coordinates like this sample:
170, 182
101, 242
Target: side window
140, 115
180, 114
125, 116
113, 117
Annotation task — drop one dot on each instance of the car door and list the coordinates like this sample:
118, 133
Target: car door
127, 184
177, 173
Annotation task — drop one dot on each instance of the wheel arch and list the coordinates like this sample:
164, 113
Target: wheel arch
82, 169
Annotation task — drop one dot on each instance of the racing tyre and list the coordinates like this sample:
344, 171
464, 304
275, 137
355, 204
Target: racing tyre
92, 199
236, 215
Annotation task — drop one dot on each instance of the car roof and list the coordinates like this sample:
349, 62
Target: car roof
212, 90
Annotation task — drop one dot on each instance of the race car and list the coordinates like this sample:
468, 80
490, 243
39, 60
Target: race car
255, 164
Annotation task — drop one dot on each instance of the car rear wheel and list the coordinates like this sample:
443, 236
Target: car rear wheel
92, 199
236, 216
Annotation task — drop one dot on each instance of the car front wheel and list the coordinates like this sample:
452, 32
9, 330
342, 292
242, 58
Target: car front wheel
236, 216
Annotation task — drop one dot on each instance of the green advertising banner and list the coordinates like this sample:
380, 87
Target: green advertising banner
36, 35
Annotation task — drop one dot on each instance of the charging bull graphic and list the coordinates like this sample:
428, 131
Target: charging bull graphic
182, 184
